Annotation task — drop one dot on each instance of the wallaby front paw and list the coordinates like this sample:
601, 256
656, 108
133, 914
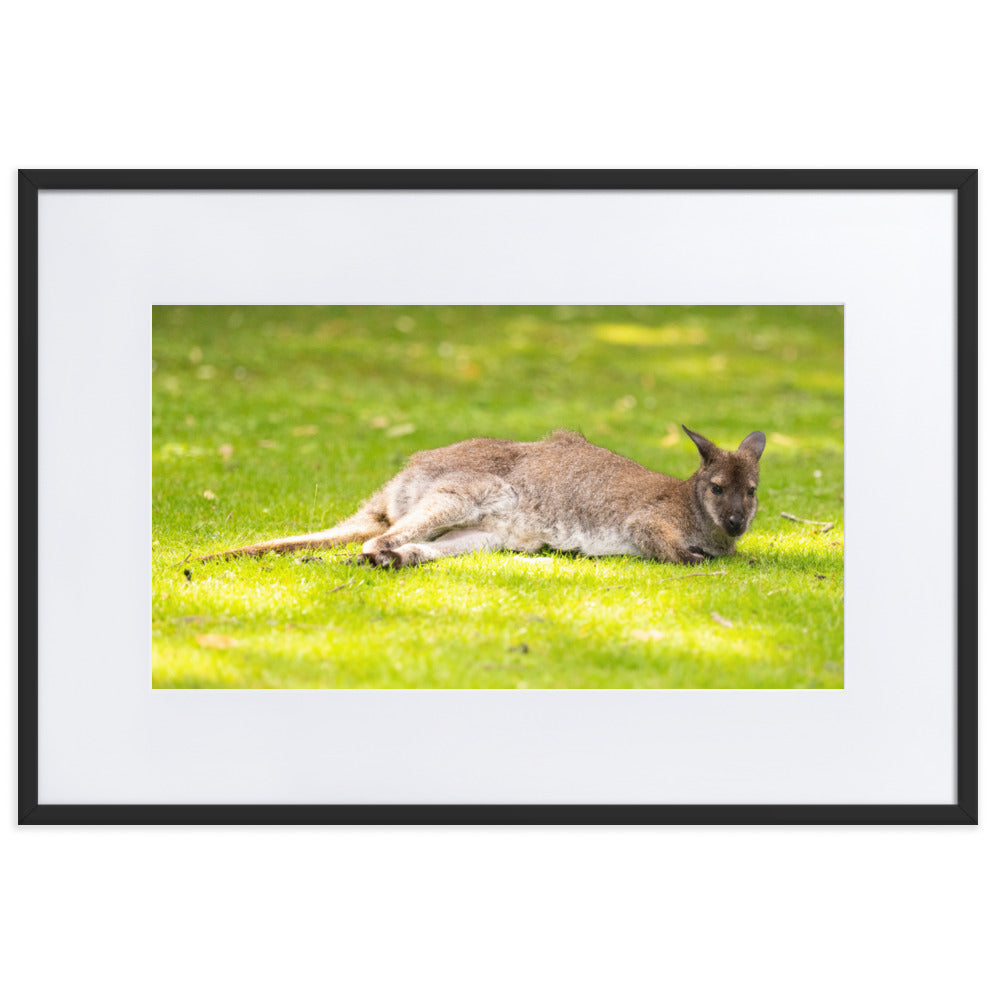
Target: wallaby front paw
691, 557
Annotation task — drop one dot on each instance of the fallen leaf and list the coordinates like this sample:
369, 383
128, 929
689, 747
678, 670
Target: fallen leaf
722, 621
226, 451
267, 444
379, 423
212, 641
648, 634
208, 495
305, 430
400, 430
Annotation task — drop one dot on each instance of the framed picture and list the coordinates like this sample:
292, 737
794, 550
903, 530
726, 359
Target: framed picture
498, 497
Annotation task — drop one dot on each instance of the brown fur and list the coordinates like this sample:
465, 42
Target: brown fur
562, 493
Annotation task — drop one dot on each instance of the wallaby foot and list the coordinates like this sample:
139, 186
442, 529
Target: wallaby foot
384, 558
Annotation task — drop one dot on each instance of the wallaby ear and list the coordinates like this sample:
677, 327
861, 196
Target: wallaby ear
705, 447
754, 444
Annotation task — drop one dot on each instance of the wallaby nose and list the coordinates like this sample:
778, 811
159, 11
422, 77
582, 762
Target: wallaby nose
735, 522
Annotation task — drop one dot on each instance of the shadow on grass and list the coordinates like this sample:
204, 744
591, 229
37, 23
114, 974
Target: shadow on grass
502, 621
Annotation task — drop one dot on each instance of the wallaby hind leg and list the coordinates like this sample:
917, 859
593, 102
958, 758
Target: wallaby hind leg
454, 543
447, 508
368, 522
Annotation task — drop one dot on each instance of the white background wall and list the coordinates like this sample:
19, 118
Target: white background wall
781, 912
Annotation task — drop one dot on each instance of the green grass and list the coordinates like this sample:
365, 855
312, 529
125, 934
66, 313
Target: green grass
274, 420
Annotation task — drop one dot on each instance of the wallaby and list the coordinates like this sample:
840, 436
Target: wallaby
560, 493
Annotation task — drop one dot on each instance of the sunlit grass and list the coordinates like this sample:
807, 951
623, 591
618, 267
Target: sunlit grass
273, 420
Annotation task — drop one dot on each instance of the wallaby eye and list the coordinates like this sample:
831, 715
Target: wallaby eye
716, 489
752, 491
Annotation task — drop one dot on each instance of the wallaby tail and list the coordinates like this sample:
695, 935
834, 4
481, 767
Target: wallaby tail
365, 524
293, 543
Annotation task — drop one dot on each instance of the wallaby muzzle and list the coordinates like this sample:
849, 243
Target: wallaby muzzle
735, 525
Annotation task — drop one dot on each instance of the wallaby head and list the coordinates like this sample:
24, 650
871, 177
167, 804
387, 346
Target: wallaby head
725, 486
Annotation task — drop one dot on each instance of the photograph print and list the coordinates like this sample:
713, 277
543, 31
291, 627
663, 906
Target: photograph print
536, 496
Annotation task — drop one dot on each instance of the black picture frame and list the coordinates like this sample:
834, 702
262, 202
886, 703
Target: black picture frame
963, 183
